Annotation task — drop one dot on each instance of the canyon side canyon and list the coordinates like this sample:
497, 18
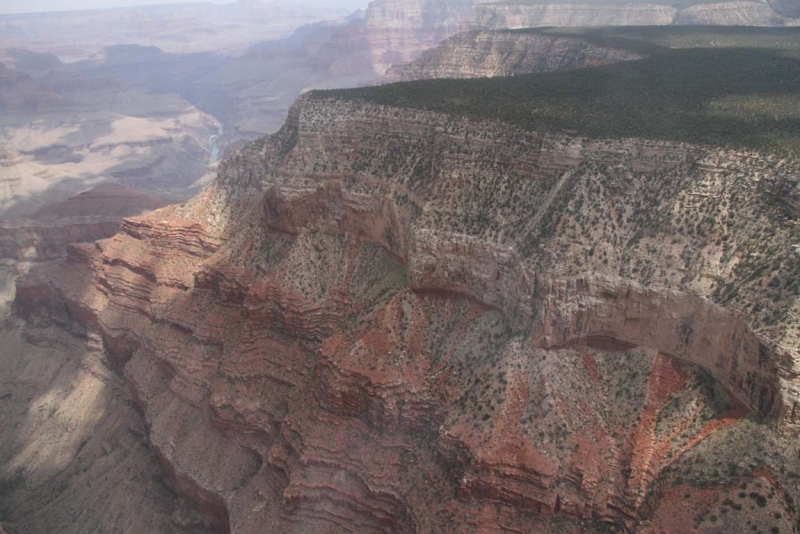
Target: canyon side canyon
484, 300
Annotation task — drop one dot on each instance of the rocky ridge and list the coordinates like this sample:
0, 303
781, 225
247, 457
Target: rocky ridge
89, 216
733, 14
395, 32
396, 321
68, 419
527, 15
44, 236
21, 92
399, 31
501, 53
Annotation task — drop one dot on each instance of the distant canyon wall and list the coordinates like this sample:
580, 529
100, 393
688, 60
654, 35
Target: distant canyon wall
369, 301
496, 53
736, 13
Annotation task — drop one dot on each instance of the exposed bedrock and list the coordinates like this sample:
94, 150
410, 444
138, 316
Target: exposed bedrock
730, 14
787, 8
674, 323
373, 321
567, 311
497, 16
396, 31
494, 53
734, 13
89, 216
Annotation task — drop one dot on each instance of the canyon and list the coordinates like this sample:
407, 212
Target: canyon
395, 315
532, 14
79, 34
337, 334
27, 242
131, 104
64, 132
486, 54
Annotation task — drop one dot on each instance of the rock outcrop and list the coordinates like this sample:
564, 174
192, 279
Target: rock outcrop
44, 237
786, 8
386, 320
398, 31
510, 15
89, 216
392, 31
499, 53
20, 92
74, 456
730, 14
733, 13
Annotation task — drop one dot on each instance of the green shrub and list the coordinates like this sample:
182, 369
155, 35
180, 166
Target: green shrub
743, 94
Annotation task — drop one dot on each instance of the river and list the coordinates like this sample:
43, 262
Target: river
212, 144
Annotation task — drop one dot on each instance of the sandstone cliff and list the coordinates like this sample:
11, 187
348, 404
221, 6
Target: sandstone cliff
44, 236
532, 14
91, 215
393, 31
386, 320
74, 456
731, 14
498, 53
502, 15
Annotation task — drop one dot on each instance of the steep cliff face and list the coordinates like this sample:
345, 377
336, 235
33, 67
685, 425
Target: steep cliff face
786, 8
731, 14
252, 93
44, 236
528, 15
386, 320
396, 31
73, 449
502, 15
91, 215
498, 53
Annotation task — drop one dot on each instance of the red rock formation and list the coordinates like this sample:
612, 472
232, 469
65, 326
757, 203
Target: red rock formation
91, 215
501, 53
320, 343
675, 323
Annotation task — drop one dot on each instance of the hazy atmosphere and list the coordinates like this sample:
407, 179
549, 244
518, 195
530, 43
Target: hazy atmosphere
42, 6
428, 267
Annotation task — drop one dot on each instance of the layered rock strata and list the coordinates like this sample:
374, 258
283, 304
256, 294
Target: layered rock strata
392, 31
44, 236
382, 320
787, 8
74, 456
527, 15
732, 14
89, 216
496, 53
502, 15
